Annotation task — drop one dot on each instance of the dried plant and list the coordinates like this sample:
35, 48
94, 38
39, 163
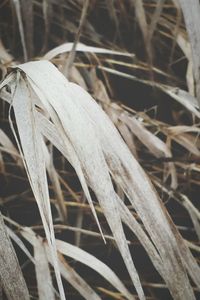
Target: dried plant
104, 171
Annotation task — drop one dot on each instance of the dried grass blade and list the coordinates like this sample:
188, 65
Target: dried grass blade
43, 275
109, 154
50, 131
82, 48
12, 279
4, 55
21, 28
155, 17
184, 98
27, 14
71, 57
191, 12
33, 156
67, 272
47, 13
144, 200
77, 281
54, 177
141, 17
155, 145
8, 147
17, 240
92, 262
83, 138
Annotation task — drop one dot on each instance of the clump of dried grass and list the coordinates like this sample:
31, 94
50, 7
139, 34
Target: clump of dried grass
48, 112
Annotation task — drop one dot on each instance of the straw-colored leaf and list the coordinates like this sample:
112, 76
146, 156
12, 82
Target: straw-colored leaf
156, 146
77, 281
54, 177
43, 276
92, 262
77, 254
17, 6
184, 98
67, 272
33, 155
27, 16
141, 17
19, 242
11, 276
136, 185
58, 138
184, 44
82, 48
180, 135
5, 56
47, 13
192, 20
49, 131
83, 138
181, 96
7, 146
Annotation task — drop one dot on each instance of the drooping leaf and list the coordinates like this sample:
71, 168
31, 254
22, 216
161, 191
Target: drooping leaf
33, 156
96, 150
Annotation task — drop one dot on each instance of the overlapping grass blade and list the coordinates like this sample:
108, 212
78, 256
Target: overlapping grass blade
92, 262
83, 137
33, 155
95, 145
43, 275
67, 272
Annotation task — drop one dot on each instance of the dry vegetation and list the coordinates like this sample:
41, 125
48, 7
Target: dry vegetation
99, 149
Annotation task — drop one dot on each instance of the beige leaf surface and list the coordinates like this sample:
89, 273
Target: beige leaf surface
43, 275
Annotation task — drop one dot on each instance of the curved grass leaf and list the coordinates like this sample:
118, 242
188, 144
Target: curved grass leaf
92, 262
82, 48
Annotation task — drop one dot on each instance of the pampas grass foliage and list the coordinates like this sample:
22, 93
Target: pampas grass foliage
59, 106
